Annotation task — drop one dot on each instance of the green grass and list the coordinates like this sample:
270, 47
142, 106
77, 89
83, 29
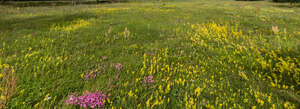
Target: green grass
202, 54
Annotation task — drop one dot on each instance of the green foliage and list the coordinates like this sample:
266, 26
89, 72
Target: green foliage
203, 54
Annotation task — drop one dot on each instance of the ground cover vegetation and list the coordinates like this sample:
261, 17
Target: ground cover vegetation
175, 54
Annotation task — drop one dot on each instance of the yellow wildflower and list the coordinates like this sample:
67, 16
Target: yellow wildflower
148, 102
243, 75
36, 105
261, 102
2, 97
130, 93
210, 106
198, 90
288, 105
273, 106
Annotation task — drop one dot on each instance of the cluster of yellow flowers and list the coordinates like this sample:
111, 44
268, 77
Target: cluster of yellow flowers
241, 52
104, 10
76, 24
1, 76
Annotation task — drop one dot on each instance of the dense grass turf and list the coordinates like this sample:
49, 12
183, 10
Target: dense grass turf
193, 54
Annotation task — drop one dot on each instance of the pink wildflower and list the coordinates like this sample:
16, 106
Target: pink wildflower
91, 100
117, 76
148, 80
118, 66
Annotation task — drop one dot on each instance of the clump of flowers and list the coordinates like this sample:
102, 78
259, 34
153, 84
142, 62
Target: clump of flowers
118, 66
148, 80
88, 99
105, 57
117, 76
93, 73
90, 75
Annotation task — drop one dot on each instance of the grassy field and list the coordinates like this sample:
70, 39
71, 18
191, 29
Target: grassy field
183, 54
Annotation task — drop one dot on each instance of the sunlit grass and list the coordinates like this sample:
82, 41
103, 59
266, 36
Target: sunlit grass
193, 54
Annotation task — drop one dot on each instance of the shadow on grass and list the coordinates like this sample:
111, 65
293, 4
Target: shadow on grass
287, 6
249, 0
40, 22
48, 3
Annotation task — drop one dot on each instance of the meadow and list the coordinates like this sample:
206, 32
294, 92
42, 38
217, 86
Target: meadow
207, 54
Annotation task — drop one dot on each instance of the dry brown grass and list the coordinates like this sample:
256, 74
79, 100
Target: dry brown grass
8, 86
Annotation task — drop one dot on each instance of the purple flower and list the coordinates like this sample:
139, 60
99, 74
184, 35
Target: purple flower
90, 75
148, 80
91, 100
72, 99
117, 76
118, 66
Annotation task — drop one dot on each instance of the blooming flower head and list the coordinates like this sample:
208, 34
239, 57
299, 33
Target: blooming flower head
117, 76
90, 75
104, 57
148, 80
88, 99
118, 66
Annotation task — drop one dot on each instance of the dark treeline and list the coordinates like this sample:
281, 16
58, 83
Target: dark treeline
100, 1
58, 0
277, 1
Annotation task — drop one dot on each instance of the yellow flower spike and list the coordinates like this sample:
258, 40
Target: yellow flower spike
148, 101
36, 105
137, 80
197, 91
209, 106
273, 106
269, 98
288, 105
130, 93
278, 85
82, 75
168, 88
46, 97
123, 100
253, 107
2, 97
139, 106
126, 83
220, 105
160, 89
1, 75
292, 87
285, 86
155, 103
243, 75
261, 102
108, 100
